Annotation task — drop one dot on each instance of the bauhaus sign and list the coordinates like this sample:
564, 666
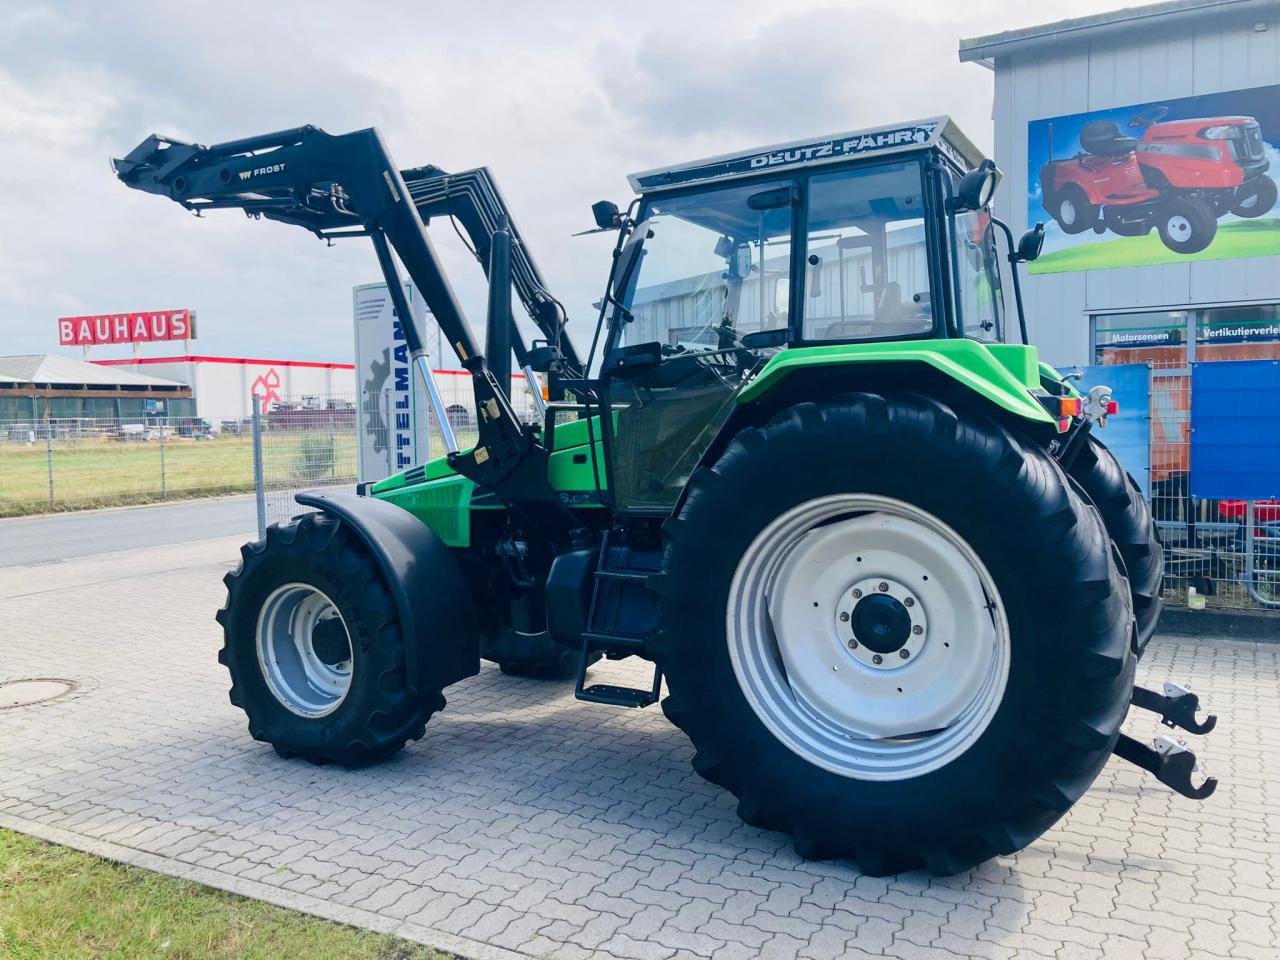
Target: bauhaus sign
142, 327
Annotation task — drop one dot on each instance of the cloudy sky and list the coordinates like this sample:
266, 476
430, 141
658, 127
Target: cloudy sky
560, 98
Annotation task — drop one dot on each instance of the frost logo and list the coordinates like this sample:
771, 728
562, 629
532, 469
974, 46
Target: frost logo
259, 171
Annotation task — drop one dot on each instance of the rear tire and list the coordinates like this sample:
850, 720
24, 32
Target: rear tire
308, 687
1186, 225
1065, 607
1127, 516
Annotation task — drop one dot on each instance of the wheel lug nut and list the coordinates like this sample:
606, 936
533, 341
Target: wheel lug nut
853, 644
844, 617
856, 593
904, 653
877, 659
917, 629
883, 586
908, 602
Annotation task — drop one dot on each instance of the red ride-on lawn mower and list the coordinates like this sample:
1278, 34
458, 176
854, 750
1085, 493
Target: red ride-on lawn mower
1180, 178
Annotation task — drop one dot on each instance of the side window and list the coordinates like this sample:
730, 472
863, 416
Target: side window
866, 262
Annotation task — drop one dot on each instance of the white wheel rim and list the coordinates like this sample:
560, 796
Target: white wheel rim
297, 675
831, 703
1179, 228
1067, 212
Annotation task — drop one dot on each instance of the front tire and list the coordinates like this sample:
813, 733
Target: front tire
315, 650
960, 773
1255, 198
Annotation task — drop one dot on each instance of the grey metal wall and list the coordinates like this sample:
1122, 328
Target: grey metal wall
1148, 63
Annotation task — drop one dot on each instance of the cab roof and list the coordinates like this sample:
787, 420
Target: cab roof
939, 133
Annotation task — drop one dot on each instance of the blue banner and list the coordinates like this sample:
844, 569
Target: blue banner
1235, 446
1128, 433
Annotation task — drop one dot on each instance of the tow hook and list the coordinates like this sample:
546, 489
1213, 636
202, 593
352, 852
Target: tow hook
1177, 707
1169, 760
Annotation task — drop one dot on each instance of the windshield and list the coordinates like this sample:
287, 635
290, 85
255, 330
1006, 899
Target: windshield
716, 266
977, 269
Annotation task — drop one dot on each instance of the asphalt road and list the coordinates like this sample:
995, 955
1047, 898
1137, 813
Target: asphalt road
66, 536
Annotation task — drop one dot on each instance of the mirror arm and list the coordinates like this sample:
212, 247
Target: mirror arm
1017, 285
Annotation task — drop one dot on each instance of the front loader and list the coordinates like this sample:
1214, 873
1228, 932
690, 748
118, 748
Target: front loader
893, 583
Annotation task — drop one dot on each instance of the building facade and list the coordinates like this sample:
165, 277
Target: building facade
1141, 70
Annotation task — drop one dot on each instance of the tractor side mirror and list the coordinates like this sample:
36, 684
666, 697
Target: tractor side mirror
606, 214
815, 276
1030, 244
976, 188
743, 265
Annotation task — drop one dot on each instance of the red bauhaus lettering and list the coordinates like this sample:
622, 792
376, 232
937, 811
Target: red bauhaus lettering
125, 328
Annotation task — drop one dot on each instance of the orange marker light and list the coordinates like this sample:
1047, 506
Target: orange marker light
546, 393
1069, 406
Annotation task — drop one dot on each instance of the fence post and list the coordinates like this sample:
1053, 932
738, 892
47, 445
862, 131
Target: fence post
48, 456
164, 486
259, 488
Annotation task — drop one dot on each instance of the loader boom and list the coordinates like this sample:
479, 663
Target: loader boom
348, 186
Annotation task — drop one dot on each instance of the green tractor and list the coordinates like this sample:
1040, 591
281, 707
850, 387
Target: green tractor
895, 586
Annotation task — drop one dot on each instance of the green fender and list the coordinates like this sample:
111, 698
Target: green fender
1003, 373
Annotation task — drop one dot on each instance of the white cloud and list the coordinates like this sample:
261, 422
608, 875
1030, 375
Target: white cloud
561, 99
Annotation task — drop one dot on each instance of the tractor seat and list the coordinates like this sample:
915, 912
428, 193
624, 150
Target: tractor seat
1103, 138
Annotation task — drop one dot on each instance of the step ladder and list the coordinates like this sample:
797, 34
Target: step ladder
599, 639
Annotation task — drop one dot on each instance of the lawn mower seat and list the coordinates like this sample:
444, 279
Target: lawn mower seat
1103, 138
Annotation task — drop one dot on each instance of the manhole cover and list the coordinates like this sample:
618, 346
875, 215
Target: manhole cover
24, 693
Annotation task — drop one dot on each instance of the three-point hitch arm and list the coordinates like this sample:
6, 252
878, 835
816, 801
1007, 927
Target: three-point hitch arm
348, 186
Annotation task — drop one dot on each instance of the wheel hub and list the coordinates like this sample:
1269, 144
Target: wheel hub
304, 650
883, 622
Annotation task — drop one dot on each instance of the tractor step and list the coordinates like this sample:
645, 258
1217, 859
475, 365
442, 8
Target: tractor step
621, 696
1169, 760
1177, 707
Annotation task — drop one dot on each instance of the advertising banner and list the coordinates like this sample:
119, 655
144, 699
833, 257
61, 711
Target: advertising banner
1161, 182
391, 401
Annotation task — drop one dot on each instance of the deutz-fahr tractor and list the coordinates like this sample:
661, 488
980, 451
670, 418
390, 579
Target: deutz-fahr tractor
892, 581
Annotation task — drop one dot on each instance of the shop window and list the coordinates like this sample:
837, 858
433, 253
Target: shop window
1158, 339
1239, 333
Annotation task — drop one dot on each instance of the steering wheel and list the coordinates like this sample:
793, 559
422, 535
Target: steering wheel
1140, 121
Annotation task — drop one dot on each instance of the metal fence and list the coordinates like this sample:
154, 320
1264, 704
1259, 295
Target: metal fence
79, 463
314, 442
1220, 551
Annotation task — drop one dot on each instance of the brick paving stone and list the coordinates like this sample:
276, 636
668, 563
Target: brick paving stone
537, 824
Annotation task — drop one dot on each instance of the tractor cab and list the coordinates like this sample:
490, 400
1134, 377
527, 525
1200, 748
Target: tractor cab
865, 237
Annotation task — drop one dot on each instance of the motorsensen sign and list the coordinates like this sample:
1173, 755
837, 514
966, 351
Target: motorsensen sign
142, 327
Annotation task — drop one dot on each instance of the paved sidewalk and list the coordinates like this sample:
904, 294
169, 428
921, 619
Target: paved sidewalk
529, 824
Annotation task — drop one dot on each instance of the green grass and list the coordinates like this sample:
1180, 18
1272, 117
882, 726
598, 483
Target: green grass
60, 904
90, 473
1238, 238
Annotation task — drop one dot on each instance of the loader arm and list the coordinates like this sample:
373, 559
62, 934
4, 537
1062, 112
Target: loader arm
347, 185
473, 199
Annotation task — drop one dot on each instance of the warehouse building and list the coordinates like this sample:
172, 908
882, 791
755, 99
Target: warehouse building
1178, 96
223, 388
50, 387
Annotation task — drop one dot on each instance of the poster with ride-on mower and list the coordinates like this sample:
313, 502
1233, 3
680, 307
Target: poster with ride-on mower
1161, 182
